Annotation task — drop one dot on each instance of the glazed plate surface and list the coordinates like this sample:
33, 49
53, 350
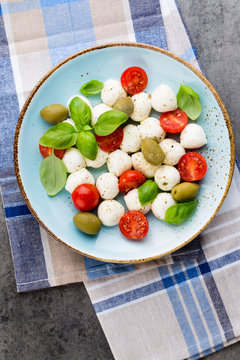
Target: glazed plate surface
101, 63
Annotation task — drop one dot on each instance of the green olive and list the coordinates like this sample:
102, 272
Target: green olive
185, 191
125, 105
152, 151
87, 223
54, 113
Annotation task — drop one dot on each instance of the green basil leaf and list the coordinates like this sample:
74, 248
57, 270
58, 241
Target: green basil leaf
80, 112
92, 87
53, 174
178, 213
109, 121
147, 192
87, 127
60, 136
87, 144
188, 100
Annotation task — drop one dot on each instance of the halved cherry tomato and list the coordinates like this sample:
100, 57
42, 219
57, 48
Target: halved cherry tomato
85, 197
112, 141
192, 166
134, 225
129, 180
134, 80
174, 121
47, 151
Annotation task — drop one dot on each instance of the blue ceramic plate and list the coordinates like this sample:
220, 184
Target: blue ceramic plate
109, 61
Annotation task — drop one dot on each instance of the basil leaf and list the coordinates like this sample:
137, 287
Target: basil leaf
60, 136
80, 112
178, 213
53, 174
87, 127
87, 144
92, 87
188, 101
109, 121
147, 192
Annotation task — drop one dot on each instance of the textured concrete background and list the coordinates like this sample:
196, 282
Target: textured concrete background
60, 323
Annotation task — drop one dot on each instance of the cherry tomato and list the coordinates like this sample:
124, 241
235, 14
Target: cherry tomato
85, 197
174, 121
192, 166
112, 141
134, 80
47, 151
134, 225
129, 180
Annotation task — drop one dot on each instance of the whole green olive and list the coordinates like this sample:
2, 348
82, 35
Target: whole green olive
54, 113
152, 151
185, 191
125, 105
87, 223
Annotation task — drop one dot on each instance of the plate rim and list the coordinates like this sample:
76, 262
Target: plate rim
100, 47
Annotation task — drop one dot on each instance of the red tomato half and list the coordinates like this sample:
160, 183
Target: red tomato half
85, 197
134, 80
47, 151
134, 225
129, 180
174, 121
192, 166
112, 141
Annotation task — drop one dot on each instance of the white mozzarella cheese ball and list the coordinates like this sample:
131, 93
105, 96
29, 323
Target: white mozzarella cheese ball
79, 177
112, 91
71, 122
81, 97
151, 128
143, 166
164, 99
118, 162
173, 151
160, 205
142, 106
133, 203
110, 212
131, 139
167, 177
73, 160
100, 160
107, 185
193, 136
99, 110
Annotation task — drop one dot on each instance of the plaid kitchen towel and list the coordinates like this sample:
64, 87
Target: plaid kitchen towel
184, 305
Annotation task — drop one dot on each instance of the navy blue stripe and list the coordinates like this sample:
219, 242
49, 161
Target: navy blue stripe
148, 23
96, 269
13, 211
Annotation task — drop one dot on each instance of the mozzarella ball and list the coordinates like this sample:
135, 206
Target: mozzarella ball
99, 110
79, 177
81, 97
142, 106
131, 139
112, 91
167, 177
160, 205
71, 122
173, 151
100, 160
193, 136
143, 166
151, 128
110, 212
73, 160
107, 185
164, 99
118, 162
133, 203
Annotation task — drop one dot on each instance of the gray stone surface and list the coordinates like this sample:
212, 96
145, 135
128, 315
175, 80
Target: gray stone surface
60, 323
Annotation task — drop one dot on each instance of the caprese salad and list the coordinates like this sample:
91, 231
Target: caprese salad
154, 171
